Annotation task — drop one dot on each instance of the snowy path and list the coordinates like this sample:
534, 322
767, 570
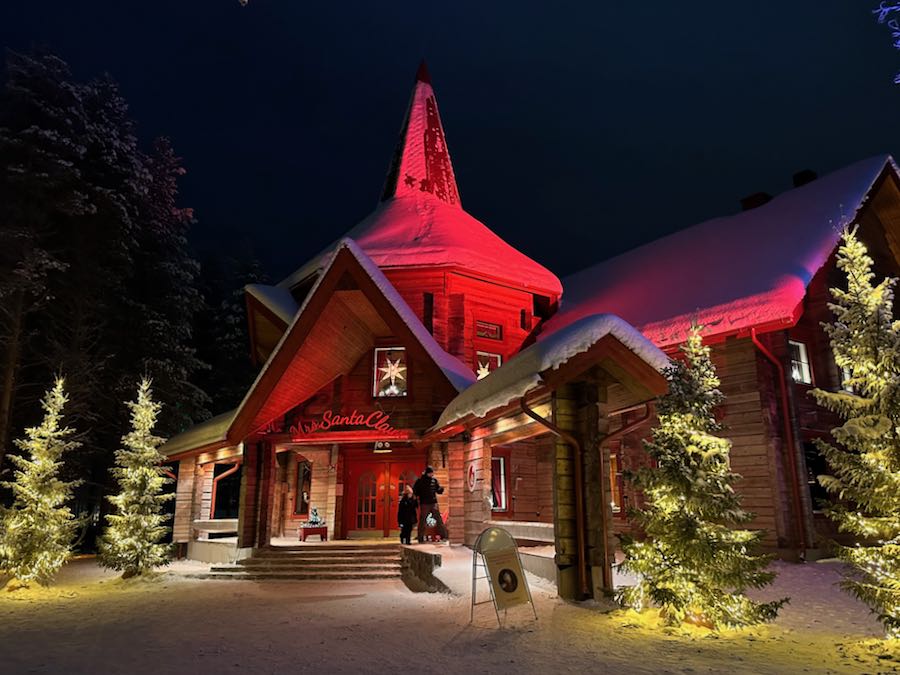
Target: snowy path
91, 623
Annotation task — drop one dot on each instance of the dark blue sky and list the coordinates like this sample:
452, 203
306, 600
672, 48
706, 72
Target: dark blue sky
577, 130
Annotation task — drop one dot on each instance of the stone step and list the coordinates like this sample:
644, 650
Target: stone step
319, 562
297, 576
329, 553
329, 547
351, 567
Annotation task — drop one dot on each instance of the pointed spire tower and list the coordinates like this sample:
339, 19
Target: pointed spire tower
419, 222
421, 162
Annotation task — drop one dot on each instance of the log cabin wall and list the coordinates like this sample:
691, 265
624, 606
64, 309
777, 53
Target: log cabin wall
529, 479
751, 415
459, 301
184, 501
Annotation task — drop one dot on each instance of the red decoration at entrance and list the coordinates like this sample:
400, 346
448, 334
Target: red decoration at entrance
377, 420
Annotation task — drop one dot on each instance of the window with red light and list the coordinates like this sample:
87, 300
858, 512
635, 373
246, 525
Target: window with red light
390, 372
486, 363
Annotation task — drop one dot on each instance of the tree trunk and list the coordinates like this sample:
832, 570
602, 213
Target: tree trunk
11, 365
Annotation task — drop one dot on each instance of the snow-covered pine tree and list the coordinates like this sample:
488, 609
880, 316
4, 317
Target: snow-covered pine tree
36, 532
865, 463
166, 288
131, 542
693, 564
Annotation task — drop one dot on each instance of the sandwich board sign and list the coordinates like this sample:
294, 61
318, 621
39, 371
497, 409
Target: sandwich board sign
501, 566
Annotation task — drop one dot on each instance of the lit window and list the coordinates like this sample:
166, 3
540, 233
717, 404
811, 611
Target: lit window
390, 371
498, 484
491, 331
845, 379
800, 370
303, 487
487, 363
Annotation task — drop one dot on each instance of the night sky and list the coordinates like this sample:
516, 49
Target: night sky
577, 131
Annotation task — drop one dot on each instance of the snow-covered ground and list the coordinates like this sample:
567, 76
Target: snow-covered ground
91, 622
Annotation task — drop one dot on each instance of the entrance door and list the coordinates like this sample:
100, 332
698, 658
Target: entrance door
372, 494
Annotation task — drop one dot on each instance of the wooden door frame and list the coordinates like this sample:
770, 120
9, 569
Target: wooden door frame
363, 454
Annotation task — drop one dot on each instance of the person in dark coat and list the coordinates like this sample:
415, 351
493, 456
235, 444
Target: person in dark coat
406, 514
427, 489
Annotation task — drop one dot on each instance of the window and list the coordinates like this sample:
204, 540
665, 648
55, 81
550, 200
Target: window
815, 466
303, 487
486, 363
800, 369
524, 320
390, 371
491, 331
845, 377
498, 484
428, 311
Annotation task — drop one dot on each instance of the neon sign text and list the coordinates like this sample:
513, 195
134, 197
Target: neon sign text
377, 421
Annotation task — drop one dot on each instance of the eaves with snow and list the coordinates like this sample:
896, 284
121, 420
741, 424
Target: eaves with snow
523, 373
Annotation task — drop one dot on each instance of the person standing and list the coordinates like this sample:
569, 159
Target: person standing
427, 489
406, 514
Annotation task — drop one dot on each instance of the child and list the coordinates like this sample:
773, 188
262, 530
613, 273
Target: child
406, 514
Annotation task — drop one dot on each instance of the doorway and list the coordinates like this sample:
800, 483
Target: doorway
372, 494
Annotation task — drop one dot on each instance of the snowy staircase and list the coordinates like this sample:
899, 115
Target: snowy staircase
326, 561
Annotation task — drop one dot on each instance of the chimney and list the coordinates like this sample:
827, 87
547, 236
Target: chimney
754, 200
804, 176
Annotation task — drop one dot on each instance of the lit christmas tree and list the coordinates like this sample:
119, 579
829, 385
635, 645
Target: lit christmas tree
866, 464
36, 532
131, 542
693, 565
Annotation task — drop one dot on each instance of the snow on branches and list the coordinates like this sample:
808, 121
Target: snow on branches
864, 464
36, 532
694, 563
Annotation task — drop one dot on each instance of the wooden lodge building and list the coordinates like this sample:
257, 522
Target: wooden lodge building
422, 338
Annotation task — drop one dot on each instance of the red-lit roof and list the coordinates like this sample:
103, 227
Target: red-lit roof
420, 221
728, 274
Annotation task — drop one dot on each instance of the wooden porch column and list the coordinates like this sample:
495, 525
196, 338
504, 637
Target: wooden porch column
564, 520
266, 492
597, 497
249, 496
457, 489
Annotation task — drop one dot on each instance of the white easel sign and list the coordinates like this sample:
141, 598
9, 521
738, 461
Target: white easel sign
502, 567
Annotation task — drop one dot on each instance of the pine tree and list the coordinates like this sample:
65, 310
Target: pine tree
166, 291
693, 565
131, 542
865, 462
37, 530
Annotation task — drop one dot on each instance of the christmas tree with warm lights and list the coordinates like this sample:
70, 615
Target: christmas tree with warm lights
693, 563
131, 542
865, 463
36, 532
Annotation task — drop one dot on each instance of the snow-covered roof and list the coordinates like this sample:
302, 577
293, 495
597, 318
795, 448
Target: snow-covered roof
210, 432
728, 274
457, 373
276, 299
420, 221
522, 373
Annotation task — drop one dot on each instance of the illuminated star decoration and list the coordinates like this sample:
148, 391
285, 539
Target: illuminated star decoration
483, 370
393, 371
